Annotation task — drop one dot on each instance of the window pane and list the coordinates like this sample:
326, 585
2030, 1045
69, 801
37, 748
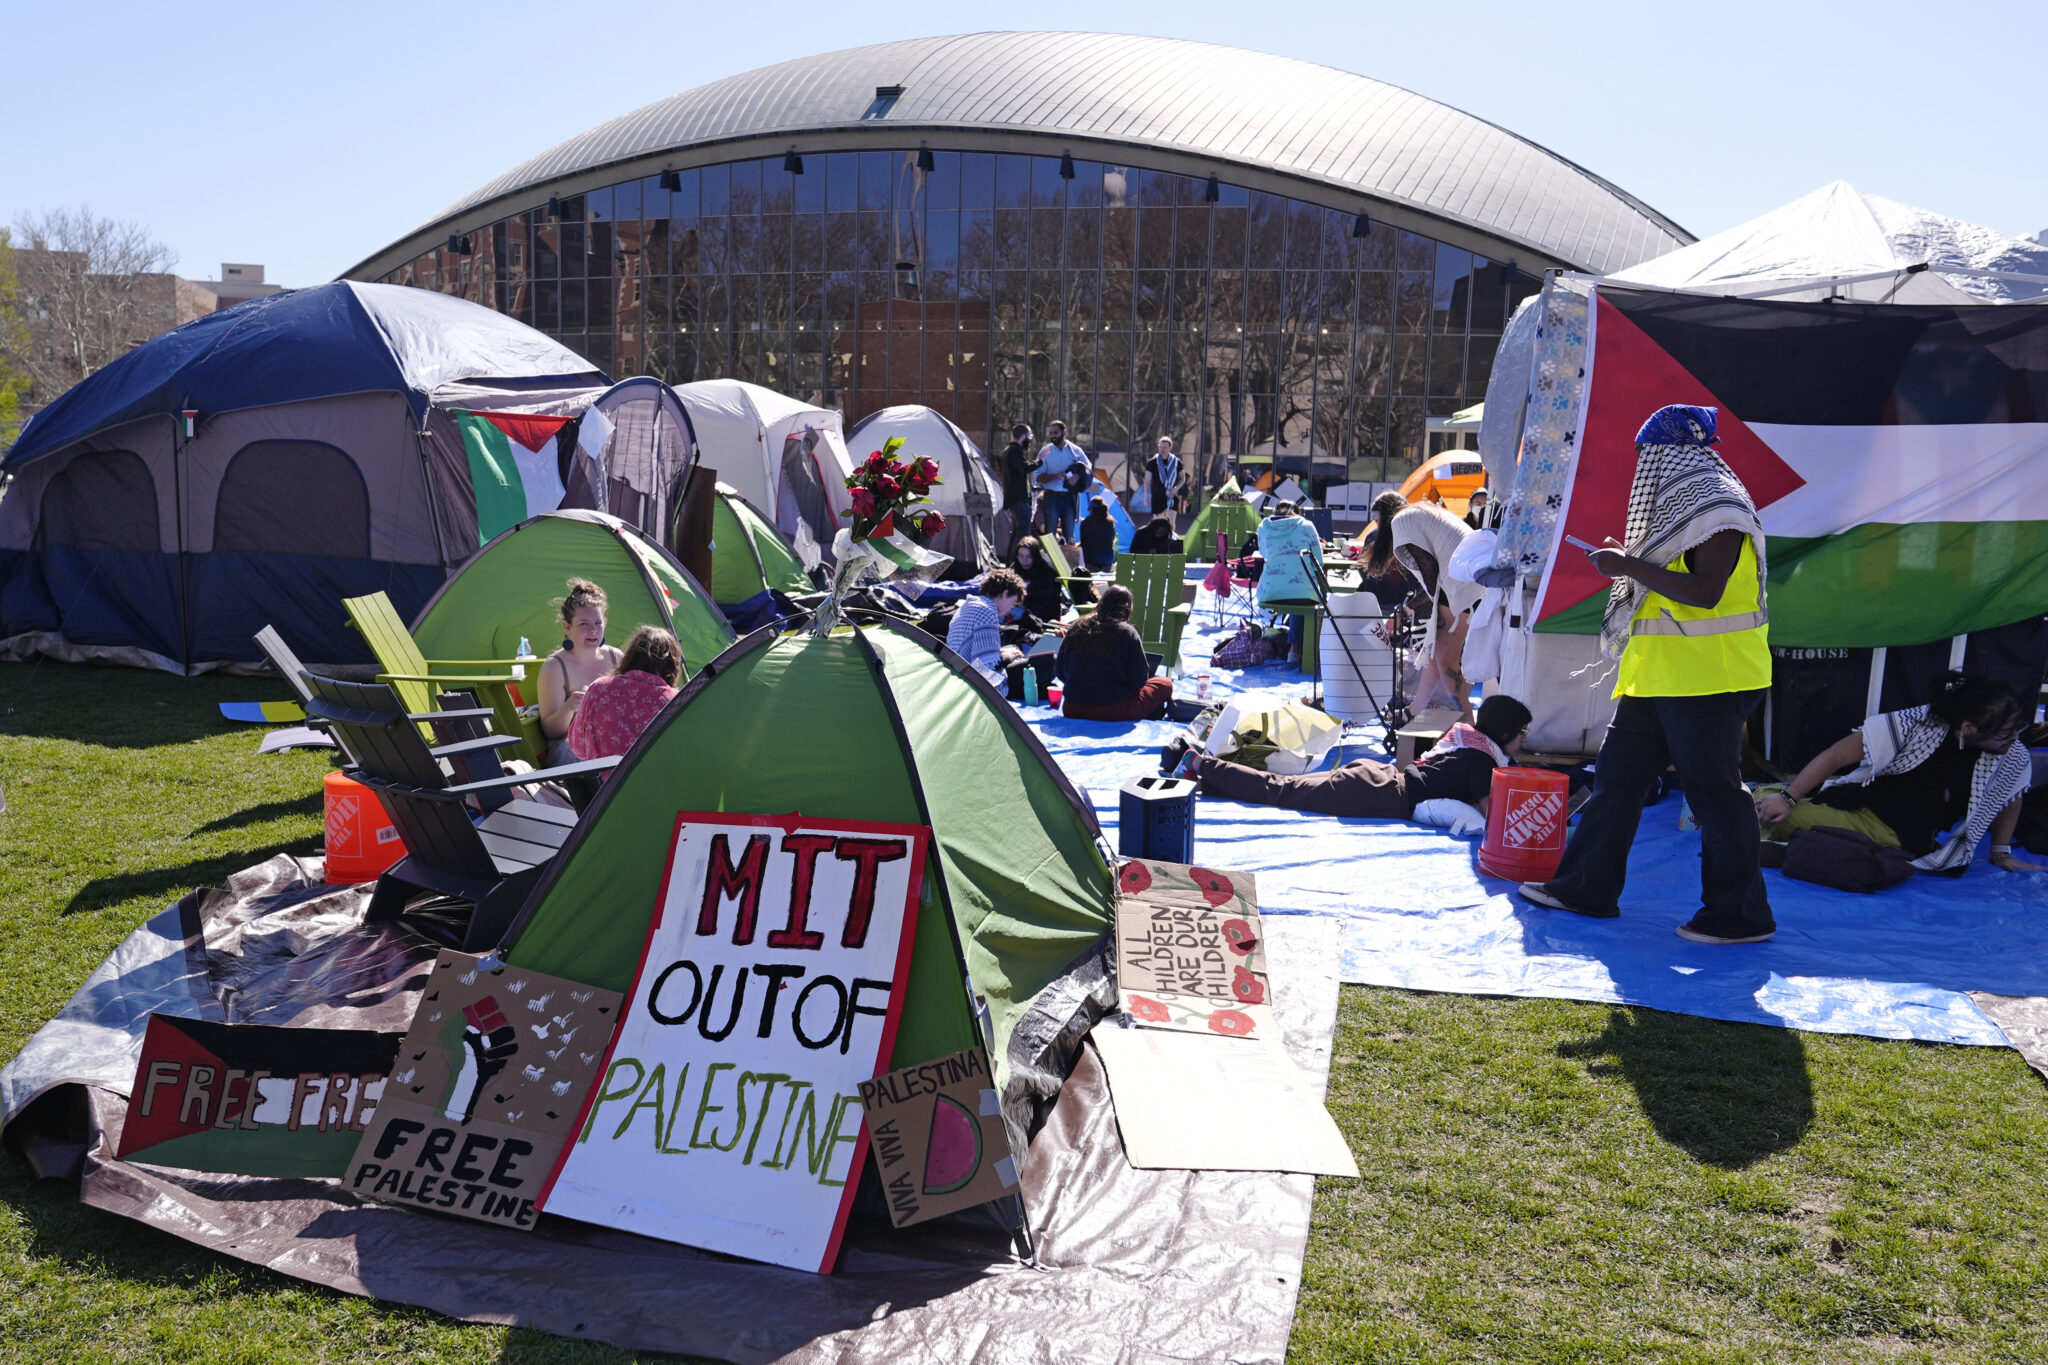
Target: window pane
1453, 289
877, 180
746, 187
809, 188
717, 190
942, 183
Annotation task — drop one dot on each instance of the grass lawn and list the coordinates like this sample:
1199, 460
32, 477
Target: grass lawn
1542, 1181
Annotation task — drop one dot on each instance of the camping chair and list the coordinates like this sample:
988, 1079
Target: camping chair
1156, 609
414, 678
1057, 557
289, 668
1236, 599
486, 867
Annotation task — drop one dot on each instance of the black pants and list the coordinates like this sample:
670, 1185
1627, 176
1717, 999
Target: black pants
1702, 738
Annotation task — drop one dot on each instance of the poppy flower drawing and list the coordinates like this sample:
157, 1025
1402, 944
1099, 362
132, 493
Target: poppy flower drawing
1238, 934
1247, 988
1216, 888
1134, 878
1150, 1010
1236, 1023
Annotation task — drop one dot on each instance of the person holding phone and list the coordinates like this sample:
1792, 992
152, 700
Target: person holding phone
1688, 624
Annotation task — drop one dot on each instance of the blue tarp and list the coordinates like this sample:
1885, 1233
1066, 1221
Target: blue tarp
1418, 914
320, 342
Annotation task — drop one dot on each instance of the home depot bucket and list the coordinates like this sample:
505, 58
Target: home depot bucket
361, 842
1525, 824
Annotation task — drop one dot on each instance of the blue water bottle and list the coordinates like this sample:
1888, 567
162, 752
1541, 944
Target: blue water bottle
1030, 685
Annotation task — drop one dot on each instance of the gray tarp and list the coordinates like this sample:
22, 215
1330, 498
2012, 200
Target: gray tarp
1134, 1266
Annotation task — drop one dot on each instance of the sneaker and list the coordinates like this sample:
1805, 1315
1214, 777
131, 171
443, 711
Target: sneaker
1693, 935
1535, 894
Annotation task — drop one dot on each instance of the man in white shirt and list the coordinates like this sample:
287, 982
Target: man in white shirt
1055, 459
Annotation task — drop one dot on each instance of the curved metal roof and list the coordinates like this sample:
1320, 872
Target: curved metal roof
1290, 117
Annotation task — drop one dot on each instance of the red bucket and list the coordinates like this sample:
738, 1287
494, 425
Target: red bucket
361, 841
1525, 819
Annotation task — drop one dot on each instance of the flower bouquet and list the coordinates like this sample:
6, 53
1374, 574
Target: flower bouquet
893, 521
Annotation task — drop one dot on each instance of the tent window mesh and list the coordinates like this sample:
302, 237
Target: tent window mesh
293, 498
102, 501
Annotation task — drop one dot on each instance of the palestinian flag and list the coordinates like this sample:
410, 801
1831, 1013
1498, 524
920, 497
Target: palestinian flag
1898, 456
897, 550
514, 469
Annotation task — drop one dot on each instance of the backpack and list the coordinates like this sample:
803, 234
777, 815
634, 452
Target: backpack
1845, 860
1246, 649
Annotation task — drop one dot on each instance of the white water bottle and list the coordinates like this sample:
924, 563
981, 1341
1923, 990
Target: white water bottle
525, 652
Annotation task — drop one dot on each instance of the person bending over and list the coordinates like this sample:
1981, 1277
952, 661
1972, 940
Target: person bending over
976, 634
583, 658
1044, 595
1951, 764
1459, 768
1098, 538
1425, 537
1103, 666
618, 706
1156, 537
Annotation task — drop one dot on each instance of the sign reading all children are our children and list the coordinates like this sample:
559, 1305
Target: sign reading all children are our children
728, 1113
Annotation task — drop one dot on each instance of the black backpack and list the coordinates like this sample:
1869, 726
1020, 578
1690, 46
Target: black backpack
1845, 860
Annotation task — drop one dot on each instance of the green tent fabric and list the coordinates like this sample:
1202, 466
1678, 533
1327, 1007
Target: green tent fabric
748, 555
509, 589
1226, 511
876, 722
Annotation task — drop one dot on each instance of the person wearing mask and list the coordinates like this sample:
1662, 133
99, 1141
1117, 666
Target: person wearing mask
568, 672
1017, 486
1953, 764
618, 706
1686, 621
1062, 472
1475, 514
1156, 537
1425, 537
1163, 478
976, 634
1459, 768
1098, 538
1045, 596
1103, 667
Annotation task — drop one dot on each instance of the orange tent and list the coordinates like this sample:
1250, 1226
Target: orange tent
1450, 477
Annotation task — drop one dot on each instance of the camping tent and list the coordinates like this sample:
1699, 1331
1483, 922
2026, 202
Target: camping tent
321, 456
967, 499
635, 447
1453, 476
786, 457
508, 590
877, 722
748, 555
1839, 243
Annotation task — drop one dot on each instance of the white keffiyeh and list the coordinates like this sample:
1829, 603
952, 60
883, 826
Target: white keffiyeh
1682, 497
1899, 741
1428, 527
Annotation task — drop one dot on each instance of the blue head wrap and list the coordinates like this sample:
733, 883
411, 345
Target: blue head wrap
1679, 425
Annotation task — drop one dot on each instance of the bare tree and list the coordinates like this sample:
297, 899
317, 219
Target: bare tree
91, 289
13, 342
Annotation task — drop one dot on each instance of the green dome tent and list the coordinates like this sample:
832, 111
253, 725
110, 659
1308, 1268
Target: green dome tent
509, 589
873, 722
748, 555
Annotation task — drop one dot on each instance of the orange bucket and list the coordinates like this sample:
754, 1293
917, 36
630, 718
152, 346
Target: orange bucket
361, 841
1525, 819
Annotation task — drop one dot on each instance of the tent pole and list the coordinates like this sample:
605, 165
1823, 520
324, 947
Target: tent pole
178, 514
419, 440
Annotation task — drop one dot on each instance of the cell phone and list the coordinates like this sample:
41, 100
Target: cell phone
1574, 540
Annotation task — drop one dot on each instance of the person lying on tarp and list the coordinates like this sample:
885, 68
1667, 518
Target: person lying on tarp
1949, 765
1104, 668
976, 634
618, 706
1460, 768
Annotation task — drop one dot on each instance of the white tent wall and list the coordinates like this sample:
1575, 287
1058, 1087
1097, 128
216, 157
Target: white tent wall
967, 498
741, 428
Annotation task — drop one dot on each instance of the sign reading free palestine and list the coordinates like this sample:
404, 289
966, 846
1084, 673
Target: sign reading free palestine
728, 1113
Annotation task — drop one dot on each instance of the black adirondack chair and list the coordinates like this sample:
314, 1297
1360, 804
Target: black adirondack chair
462, 880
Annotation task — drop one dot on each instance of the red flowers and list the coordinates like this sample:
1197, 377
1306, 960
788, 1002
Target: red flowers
883, 485
1216, 888
1246, 987
924, 472
863, 503
932, 524
1235, 1023
1238, 934
1134, 878
1146, 1008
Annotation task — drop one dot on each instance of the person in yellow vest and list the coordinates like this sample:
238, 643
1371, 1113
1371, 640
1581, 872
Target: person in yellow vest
1687, 621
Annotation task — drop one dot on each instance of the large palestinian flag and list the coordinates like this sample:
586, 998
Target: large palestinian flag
514, 467
1898, 456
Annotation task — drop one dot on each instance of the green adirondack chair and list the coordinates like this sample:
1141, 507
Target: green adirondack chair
1157, 611
418, 680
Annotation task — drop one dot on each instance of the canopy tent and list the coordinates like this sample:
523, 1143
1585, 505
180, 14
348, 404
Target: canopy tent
876, 722
967, 499
634, 451
1839, 243
785, 456
508, 591
748, 555
325, 457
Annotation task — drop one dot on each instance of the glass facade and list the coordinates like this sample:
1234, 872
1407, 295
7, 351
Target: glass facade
991, 287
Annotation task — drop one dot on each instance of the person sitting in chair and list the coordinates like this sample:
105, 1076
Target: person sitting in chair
1286, 578
1044, 595
1103, 665
1156, 537
1459, 768
1951, 764
618, 706
1098, 538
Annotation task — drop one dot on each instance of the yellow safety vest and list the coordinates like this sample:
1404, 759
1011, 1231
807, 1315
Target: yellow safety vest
1679, 651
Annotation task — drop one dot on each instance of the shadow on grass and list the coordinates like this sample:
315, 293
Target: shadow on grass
125, 708
1728, 1095
264, 814
166, 884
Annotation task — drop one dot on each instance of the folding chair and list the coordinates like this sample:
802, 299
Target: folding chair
1157, 613
1236, 600
414, 676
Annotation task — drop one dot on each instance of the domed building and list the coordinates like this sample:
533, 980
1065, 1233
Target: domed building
1260, 257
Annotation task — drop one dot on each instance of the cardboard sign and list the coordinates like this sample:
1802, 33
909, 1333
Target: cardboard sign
253, 1099
488, 1085
1190, 951
936, 1130
771, 985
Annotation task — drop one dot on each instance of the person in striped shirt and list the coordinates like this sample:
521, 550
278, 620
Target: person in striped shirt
976, 634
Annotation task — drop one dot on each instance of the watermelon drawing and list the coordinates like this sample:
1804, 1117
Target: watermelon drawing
955, 1153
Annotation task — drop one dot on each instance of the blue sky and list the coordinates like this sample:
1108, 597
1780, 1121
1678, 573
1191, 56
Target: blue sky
306, 138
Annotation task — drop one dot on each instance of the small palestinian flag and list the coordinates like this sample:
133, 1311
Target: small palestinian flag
252, 1099
514, 468
896, 549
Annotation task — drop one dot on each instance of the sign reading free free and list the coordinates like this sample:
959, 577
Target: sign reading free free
728, 1115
